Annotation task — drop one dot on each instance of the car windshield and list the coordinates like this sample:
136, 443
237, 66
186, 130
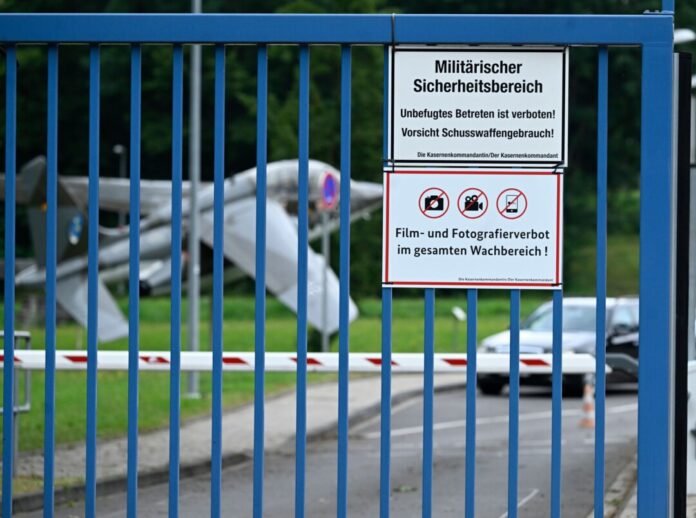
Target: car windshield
575, 318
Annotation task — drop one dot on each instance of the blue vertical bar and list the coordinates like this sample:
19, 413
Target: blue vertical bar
51, 225
92, 283
10, 215
302, 252
175, 315
601, 289
654, 438
428, 394
260, 309
218, 273
514, 413
134, 283
557, 404
471, 321
668, 6
386, 372
385, 418
344, 288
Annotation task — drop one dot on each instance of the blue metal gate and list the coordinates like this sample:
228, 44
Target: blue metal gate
652, 32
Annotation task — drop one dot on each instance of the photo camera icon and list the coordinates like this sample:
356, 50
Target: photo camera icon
471, 203
434, 203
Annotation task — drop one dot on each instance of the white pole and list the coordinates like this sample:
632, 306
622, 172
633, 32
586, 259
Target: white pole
193, 389
692, 234
326, 252
692, 144
122, 152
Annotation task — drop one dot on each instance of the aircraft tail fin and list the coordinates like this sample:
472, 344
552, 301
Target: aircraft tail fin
71, 224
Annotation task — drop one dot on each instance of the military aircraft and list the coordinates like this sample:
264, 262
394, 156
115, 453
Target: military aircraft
155, 236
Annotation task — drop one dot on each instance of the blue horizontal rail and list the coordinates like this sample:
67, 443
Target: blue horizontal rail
534, 29
336, 28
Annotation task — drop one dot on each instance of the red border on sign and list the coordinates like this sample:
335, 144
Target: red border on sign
558, 227
386, 241
474, 284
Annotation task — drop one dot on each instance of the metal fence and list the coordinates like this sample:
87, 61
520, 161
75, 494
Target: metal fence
22, 395
652, 32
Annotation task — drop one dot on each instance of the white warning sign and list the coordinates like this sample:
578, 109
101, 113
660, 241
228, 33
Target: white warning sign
466, 228
477, 105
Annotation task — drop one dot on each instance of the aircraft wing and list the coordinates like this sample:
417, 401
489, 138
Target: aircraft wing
281, 258
114, 193
71, 294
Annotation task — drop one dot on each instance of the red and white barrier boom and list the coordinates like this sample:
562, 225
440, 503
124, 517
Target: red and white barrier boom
316, 362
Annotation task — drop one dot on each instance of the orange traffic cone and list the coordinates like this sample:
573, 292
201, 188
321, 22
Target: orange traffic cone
588, 406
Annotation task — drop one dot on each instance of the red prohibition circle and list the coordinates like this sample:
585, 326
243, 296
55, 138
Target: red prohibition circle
519, 194
425, 212
463, 210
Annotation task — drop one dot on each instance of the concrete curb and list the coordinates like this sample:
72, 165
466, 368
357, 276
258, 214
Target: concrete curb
620, 491
106, 486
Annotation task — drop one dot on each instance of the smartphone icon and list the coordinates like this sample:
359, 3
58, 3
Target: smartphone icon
511, 205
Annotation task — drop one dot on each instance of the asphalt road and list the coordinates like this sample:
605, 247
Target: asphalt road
449, 463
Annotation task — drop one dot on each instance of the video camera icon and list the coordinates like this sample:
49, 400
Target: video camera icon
472, 203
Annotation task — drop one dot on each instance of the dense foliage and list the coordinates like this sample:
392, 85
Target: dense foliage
325, 97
